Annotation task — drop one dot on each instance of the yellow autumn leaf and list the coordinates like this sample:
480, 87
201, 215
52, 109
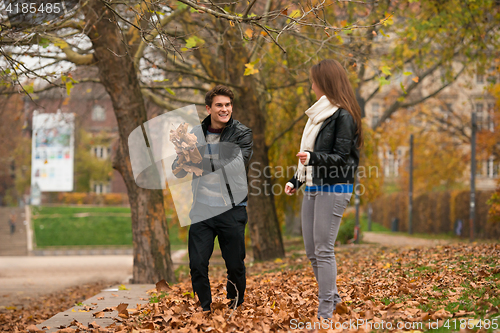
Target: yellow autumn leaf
249, 33
277, 260
415, 79
296, 13
60, 43
386, 70
250, 68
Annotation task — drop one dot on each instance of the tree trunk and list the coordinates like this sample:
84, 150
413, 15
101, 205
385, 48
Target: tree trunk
152, 260
265, 232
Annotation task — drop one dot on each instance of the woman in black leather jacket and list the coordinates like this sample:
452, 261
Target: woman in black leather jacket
328, 159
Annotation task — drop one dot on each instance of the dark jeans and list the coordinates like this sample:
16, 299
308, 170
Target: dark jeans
230, 228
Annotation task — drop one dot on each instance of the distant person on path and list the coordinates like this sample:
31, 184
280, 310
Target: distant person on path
12, 223
215, 212
328, 160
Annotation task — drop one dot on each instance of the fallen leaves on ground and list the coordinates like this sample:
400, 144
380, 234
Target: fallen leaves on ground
381, 288
13, 319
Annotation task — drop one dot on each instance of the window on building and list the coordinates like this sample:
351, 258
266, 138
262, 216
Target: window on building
479, 116
491, 112
492, 167
98, 113
492, 75
100, 151
101, 187
375, 113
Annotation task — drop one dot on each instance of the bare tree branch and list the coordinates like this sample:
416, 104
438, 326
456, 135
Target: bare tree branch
277, 137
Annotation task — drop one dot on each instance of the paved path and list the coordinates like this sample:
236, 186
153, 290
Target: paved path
400, 240
107, 298
22, 278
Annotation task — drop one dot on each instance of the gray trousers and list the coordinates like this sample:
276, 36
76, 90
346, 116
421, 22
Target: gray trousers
321, 216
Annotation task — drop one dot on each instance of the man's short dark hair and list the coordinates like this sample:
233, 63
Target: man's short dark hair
218, 90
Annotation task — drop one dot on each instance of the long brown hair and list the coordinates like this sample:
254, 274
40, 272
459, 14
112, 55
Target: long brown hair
331, 78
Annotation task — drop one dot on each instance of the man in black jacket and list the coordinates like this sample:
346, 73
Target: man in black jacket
219, 197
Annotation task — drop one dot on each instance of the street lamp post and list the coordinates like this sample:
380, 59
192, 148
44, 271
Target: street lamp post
410, 192
472, 215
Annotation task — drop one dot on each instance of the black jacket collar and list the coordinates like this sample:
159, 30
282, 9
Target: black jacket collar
208, 121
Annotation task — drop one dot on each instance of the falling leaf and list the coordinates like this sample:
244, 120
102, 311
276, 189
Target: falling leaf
162, 286
386, 70
29, 89
69, 86
402, 87
170, 91
383, 81
415, 79
296, 13
61, 44
181, 5
249, 33
383, 34
194, 41
250, 68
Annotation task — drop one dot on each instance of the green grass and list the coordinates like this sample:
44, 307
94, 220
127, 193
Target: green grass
375, 227
57, 226
69, 210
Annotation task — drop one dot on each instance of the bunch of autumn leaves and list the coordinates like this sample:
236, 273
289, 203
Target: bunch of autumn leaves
188, 153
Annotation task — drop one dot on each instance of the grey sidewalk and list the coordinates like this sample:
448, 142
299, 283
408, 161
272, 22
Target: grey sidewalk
400, 240
25, 278
112, 297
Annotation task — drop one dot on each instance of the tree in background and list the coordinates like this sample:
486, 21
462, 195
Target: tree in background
11, 141
113, 37
87, 166
490, 142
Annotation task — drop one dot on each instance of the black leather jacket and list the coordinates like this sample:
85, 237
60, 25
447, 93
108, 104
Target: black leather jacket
235, 151
335, 157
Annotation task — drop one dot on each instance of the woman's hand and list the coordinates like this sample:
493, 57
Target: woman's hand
289, 190
302, 157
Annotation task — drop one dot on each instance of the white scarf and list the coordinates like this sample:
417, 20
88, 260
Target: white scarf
317, 114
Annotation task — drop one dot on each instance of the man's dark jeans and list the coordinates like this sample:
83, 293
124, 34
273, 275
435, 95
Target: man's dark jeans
230, 228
